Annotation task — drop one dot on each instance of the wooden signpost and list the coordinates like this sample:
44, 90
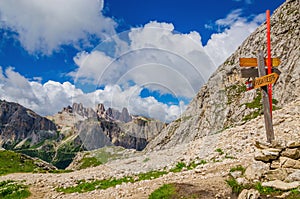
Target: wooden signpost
253, 72
252, 62
265, 97
263, 78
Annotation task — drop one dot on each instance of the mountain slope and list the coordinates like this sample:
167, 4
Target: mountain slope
223, 102
19, 124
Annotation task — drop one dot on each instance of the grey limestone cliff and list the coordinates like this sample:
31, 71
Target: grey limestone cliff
18, 124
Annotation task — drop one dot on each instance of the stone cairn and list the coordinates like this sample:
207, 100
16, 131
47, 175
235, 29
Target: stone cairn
275, 165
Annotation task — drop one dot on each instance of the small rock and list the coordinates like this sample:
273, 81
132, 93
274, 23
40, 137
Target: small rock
266, 155
285, 162
295, 176
289, 163
293, 144
291, 153
236, 174
184, 169
256, 170
261, 145
277, 174
284, 186
242, 181
249, 194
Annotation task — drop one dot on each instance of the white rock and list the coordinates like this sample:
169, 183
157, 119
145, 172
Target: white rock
284, 186
256, 170
249, 194
295, 176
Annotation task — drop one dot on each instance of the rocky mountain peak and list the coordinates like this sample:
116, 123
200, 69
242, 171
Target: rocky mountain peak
100, 112
125, 115
223, 101
100, 109
18, 123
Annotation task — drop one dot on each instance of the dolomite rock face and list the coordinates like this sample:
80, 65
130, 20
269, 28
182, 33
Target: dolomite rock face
221, 102
100, 127
18, 123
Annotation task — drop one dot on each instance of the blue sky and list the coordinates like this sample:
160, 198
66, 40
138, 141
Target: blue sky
150, 56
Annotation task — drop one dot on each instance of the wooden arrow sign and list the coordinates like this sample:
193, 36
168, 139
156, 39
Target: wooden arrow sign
253, 72
252, 62
265, 80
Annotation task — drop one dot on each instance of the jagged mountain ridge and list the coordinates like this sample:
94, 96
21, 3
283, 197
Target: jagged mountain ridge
223, 100
99, 112
100, 127
19, 124
57, 139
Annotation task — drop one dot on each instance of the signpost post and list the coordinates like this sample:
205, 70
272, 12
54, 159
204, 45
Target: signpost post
269, 57
264, 78
265, 98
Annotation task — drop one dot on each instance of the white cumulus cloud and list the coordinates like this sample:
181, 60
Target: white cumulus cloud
156, 57
43, 26
221, 45
50, 97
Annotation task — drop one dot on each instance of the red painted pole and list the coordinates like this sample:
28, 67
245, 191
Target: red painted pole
269, 57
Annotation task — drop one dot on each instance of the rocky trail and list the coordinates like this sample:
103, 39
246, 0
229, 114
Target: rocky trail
221, 151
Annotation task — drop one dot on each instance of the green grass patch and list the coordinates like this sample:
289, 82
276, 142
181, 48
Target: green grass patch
12, 162
252, 115
164, 192
84, 186
61, 171
203, 162
233, 92
256, 103
179, 166
266, 190
107, 153
238, 168
220, 151
294, 194
151, 175
89, 162
193, 164
235, 186
12, 190
227, 156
